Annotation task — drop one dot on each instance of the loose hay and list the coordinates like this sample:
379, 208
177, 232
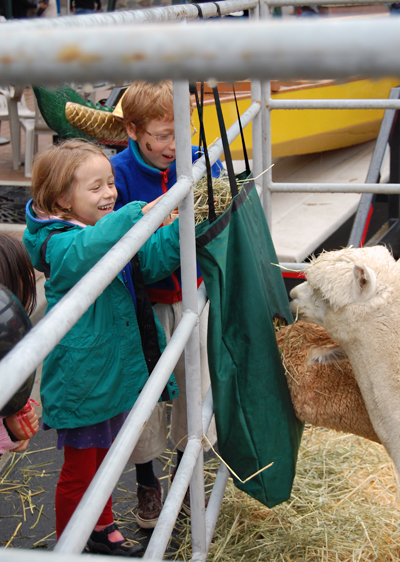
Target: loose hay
222, 196
343, 508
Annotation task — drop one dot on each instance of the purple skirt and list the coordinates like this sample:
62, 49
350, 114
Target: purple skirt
100, 435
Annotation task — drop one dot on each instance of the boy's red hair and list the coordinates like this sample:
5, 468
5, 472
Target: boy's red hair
144, 102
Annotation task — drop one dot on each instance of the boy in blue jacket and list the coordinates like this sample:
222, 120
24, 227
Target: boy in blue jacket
144, 171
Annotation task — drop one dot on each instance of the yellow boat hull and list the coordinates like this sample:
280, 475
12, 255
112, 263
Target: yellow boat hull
304, 131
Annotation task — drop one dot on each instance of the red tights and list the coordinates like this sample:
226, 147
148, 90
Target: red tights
79, 468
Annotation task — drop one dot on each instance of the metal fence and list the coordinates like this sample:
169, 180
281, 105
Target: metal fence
113, 47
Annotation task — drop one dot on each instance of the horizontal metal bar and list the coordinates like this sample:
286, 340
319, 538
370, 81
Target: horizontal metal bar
40, 555
36, 345
89, 509
293, 266
149, 15
335, 188
326, 3
298, 48
335, 104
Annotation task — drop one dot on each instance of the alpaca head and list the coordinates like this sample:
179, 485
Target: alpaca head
347, 285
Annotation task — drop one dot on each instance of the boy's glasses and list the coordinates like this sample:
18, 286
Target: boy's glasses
169, 138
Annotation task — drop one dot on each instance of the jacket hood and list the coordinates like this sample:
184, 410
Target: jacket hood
36, 232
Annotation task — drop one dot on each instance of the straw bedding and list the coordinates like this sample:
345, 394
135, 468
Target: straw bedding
343, 508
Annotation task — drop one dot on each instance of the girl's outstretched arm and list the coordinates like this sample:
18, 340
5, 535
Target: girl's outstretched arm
72, 253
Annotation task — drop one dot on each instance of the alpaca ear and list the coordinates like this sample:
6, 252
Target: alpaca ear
364, 285
326, 354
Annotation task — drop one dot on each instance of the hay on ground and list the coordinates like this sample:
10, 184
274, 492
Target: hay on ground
343, 508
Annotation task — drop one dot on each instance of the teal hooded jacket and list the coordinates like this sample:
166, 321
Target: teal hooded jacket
98, 369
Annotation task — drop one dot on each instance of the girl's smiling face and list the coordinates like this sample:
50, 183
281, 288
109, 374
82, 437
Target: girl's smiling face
93, 193
155, 152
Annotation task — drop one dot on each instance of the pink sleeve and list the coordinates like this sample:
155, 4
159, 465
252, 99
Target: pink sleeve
5, 441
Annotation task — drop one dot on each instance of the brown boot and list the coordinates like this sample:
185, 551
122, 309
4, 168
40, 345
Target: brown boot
149, 506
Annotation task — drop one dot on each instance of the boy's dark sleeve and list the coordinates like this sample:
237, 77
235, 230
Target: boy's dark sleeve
10, 434
98, 2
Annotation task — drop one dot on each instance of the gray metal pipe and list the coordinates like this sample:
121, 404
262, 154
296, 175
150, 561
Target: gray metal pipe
335, 187
172, 505
214, 505
162, 532
39, 555
207, 410
189, 302
149, 15
294, 266
327, 3
335, 104
297, 48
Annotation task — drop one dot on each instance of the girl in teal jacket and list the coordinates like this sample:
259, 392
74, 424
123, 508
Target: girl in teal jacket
93, 377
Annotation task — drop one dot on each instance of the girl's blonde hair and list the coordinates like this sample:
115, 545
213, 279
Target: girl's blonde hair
53, 174
144, 102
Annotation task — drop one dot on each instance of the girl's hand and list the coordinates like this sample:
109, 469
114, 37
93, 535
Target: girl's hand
21, 446
23, 431
171, 217
149, 206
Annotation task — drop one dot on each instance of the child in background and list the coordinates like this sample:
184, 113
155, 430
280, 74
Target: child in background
17, 274
143, 172
92, 378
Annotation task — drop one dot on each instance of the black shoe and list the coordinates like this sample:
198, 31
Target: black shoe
99, 543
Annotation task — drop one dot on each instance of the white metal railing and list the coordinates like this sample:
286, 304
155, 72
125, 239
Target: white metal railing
81, 50
28, 354
227, 50
150, 15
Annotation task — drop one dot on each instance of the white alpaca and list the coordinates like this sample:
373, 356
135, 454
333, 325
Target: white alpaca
354, 294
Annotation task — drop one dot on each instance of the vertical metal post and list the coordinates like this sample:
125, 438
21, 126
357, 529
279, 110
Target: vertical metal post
373, 175
394, 177
189, 298
256, 124
266, 134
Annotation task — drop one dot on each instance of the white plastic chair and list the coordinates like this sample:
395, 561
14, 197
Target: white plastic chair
33, 127
3, 116
16, 109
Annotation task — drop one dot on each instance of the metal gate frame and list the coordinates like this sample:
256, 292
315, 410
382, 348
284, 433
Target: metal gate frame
111, 46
